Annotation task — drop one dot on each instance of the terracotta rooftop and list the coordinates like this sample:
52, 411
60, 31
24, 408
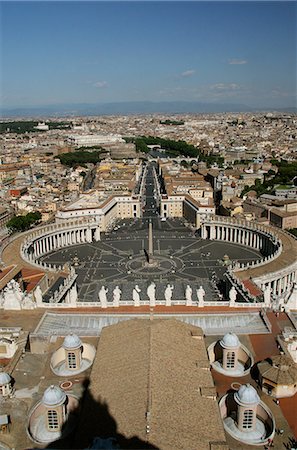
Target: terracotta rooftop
145, 371
252, 288
279, 369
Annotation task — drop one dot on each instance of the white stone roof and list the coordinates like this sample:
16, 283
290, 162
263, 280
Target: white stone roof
247, 394
5, 378
72, 341
53, 396
230, 340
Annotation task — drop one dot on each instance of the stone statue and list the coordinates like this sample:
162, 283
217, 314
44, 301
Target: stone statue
38, 295
13, 296
103, 297
151, 293
168, 294
28, 302
232, 296
136, 296
188, 295
17, 290
200, 296
116, 296
291, 301
73, 294
267, 296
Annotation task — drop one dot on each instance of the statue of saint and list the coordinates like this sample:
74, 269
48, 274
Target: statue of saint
232, 295
151, 293
168, 294
38, 295
200, 296
12, 296
267, 296
73, 294
103, 297
28, 302
188, 295
136, 296
116, 296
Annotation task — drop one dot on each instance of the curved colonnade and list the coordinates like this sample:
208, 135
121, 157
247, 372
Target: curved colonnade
276, 270
53, 237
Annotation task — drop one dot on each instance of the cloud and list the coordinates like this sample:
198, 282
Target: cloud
223, 87
237, 61
187, 73
100, 84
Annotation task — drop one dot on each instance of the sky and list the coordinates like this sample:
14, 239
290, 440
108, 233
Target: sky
99, 52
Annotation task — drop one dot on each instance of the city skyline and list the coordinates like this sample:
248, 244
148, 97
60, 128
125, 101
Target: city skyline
105, 52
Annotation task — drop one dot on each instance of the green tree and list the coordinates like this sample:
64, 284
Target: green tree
79, 158
23, 223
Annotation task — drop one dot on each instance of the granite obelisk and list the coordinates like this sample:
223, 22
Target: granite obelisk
150, 242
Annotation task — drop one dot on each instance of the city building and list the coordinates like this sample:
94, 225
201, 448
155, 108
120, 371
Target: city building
278, 376
89, 140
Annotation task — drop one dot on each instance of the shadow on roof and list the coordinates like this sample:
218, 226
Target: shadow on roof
95, 428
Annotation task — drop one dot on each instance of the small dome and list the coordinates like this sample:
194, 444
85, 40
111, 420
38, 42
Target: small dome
247, 394
71, 341
53, 396
5, 378
230, 340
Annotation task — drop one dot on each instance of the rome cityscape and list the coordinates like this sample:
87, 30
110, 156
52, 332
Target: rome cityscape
148, 225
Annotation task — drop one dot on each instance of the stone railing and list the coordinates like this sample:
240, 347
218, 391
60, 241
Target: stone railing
60, 293
240, 288
110, 305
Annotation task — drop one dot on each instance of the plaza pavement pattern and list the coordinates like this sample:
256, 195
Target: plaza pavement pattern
118, 259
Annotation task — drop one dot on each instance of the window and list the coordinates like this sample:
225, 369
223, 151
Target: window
230, 360
52, 419
71, 360
247, 419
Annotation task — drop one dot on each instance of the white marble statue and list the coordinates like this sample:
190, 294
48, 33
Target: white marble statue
103, 297
38, 295
17, 290
232, 296
116, 296
136, 296
151, 293
12, 296
292, 299
200, 296
168, 294
28, 302
267, 296
188, 295
73, 294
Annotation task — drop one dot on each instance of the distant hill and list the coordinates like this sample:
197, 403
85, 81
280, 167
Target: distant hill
142, 107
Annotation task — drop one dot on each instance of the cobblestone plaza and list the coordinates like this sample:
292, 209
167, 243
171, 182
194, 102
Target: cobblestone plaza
118, 259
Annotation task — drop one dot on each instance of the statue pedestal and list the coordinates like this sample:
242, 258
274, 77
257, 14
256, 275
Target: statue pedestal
12, 304
151, 263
